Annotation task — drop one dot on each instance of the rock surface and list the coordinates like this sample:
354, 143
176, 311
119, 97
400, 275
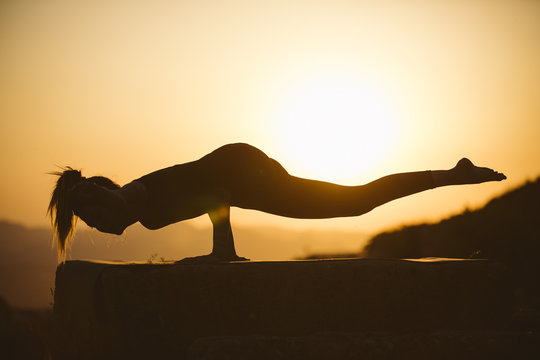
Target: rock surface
374, 346
119, 309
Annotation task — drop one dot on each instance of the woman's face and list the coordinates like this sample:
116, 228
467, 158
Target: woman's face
99, 207
100, 218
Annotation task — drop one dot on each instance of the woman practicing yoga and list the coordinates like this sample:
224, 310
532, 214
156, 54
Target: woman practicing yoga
234, 175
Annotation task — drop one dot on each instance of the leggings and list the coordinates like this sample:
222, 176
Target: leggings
258, 182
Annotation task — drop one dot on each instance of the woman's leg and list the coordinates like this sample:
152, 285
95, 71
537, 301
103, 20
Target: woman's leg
295, 197
286, 195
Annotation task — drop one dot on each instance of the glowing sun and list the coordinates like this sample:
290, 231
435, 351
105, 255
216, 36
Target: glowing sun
334, 128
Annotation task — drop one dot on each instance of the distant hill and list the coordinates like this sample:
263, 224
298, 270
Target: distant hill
27, 265
506, 229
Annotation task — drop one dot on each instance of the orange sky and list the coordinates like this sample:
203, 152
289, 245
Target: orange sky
365, 88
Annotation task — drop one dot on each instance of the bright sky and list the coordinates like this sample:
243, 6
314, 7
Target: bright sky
343, 91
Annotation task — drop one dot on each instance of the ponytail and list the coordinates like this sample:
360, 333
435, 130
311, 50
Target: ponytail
60, 209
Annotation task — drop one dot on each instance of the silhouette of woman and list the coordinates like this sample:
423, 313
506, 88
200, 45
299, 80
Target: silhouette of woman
234, 175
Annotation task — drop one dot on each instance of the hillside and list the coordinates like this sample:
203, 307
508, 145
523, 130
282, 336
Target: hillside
506, 229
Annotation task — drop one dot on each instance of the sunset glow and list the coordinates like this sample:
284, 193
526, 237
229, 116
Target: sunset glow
337, 91
335, 126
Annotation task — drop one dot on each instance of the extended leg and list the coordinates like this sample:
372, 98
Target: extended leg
290, 196
310, 199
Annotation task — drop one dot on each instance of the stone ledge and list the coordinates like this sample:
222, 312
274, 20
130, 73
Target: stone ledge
156, 305
374, 346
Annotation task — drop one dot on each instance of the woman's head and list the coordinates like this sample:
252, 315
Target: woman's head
74, 195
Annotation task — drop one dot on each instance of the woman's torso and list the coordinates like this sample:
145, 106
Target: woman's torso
230, 175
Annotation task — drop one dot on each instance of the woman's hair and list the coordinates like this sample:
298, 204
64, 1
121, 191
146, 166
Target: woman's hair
61, 206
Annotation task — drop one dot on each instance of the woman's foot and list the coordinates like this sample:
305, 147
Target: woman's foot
465, 172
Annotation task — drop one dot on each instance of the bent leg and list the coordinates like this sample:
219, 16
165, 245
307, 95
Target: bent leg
223, 240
